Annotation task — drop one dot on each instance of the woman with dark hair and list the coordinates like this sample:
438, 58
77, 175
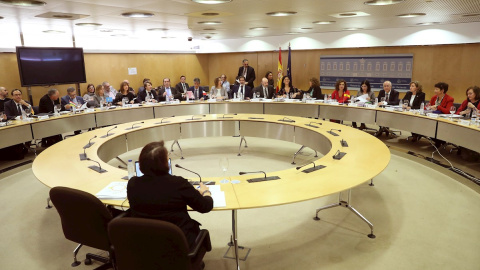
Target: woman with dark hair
217, 91
269, 76
124, 92
471, 105
365, 89
341, 93
90, 93
159, 195
287, 90
315, 90
415, 96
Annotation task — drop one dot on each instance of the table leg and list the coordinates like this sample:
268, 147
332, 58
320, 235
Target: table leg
235, 239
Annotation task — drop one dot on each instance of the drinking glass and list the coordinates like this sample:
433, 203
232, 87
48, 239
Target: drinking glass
2, 115
405, 105
453, 109
382, 100
224, 166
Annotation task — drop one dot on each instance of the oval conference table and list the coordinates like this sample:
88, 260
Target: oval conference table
59, 165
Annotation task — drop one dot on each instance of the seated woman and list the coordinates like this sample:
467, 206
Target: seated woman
124, 92
415, 97
341, 93
365, 89
441, 102
217, 90
471, 105
159, 195
315, 90
99, 97
288, 91
90, 93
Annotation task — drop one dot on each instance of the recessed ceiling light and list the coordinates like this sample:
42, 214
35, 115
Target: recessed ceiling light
306, 28
208, 37
212, 2
351, 29
88, 24
258, 28
23, 3
349, 14
292, 33
168, 37
59, 16
428, 23
53, 32
118, 35
157, 29
248, 36
210, 14
137, 14
210, 22
471, 15
208, 33
209, 29
324, 22
411, 15
281, 13
106, 30
383, 2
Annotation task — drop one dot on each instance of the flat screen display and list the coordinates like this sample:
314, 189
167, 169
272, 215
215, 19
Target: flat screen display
139, 173
50, 66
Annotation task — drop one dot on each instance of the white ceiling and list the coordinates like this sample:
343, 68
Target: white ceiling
181, 17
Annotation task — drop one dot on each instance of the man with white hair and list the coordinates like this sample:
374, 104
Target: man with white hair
391, 98
109, 90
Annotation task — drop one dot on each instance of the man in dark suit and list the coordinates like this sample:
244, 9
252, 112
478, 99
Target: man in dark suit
71, 96
265, 90
17, 106
147, 91
248, 73
3, 98
182, 88
242, 88
48, 101
167, 91
390, 95
196, 91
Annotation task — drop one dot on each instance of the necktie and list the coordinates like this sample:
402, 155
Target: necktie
241, 90
19, 109
245, 73
196, 93
265, 92
184, 89
386, 96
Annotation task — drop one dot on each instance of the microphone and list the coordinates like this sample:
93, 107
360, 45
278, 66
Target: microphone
253, 180
299, 167
178, 166
163, 118
242, 173
344, 143
228, 114
310, 124
201, 115
90, 143
333, 133
96, 168
84, 155
106, 135
130, 128
286, 119
339, 155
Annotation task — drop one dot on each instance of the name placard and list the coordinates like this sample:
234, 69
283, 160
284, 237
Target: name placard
352, 105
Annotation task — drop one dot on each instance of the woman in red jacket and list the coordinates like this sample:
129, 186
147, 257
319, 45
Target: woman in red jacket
441, 102
472, 104
341, 94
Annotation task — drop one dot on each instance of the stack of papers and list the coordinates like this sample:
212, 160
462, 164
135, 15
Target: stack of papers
218, 196
113, 191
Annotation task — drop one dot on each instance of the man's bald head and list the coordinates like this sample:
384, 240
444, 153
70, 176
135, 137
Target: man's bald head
264, 82
3, 92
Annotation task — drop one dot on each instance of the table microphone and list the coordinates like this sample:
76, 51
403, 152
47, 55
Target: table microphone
84, 155
299, 167
228, 114
90, 142
201, 115
286, 119
130, 128
106, 135
178, 166
333, 133
253, 180
96, 168
310, 124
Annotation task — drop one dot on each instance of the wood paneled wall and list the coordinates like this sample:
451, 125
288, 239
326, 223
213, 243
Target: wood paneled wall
455, 64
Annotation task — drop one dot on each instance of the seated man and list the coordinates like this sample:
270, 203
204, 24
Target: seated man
15, 108
142, 88
264, 90
391, 98
167, 91
46, 105
196, 91
148, 93
71, 97
109, 90
3, 98
245, 90
182, 88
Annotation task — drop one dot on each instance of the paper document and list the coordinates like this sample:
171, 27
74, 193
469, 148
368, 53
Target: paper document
362, 98
218, 196
113, 191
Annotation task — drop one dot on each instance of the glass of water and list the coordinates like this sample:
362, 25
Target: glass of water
224, 163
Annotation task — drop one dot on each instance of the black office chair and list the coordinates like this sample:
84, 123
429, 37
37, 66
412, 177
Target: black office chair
141, 243
84, 221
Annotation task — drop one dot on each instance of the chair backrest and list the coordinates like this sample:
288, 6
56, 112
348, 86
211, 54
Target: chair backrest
84, 217
141, 243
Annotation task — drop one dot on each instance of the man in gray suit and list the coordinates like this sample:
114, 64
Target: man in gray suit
264, 90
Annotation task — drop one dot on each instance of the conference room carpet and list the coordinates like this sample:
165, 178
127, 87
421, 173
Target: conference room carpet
424, 216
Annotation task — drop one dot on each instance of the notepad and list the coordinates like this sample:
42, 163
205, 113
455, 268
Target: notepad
218, 196
113, 191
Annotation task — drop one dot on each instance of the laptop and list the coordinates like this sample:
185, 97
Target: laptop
139, 173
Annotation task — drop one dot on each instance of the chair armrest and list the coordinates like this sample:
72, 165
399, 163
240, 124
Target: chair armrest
203, 239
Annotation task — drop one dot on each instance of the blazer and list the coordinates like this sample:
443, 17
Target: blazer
259, 90
293, 90
166, 197
97, 100
120, 96
174, 93
2, 103
464, 106
248, 91
46, 105
445, 105
344, 99
250, 75
223, 92
392, 98
180, 90
11, 109
370, 94
419, 98
201, 91
315, 92
142, 95
66, 100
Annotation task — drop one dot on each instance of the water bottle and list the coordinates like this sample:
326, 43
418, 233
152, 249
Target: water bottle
167, 98
400, 103
131, 169
234, 95
24, 115
376, 101
324, 98
188, 98
422, 108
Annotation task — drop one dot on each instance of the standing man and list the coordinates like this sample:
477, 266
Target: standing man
196, 91
167, 91
3, 98
109, 90
15, 107
182, 88
265, 90
248, 73
242, 88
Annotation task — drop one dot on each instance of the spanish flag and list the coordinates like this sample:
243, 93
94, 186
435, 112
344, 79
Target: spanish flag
280, 70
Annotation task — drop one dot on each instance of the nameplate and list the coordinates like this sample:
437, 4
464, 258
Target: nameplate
212, 100
390, 109
267, 100
43, 117
310, 101
176, 101
464, 122
2, 124
432, 115
254, 180
334, 103
371, 106
256, 99
352, 105
90, 110
289, 100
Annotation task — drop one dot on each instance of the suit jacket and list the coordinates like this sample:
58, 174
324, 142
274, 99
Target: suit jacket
97, 100
419, 98
142, 95
317, 92
250, 75
2, 104
248, 91
174, 93
66, 100
46, 105
392, 98
445, 105
11, 109
259, 90
201, 91
120, 96
180, 90
166, 197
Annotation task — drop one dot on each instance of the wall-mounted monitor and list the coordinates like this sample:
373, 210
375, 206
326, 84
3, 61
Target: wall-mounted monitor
50, 66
